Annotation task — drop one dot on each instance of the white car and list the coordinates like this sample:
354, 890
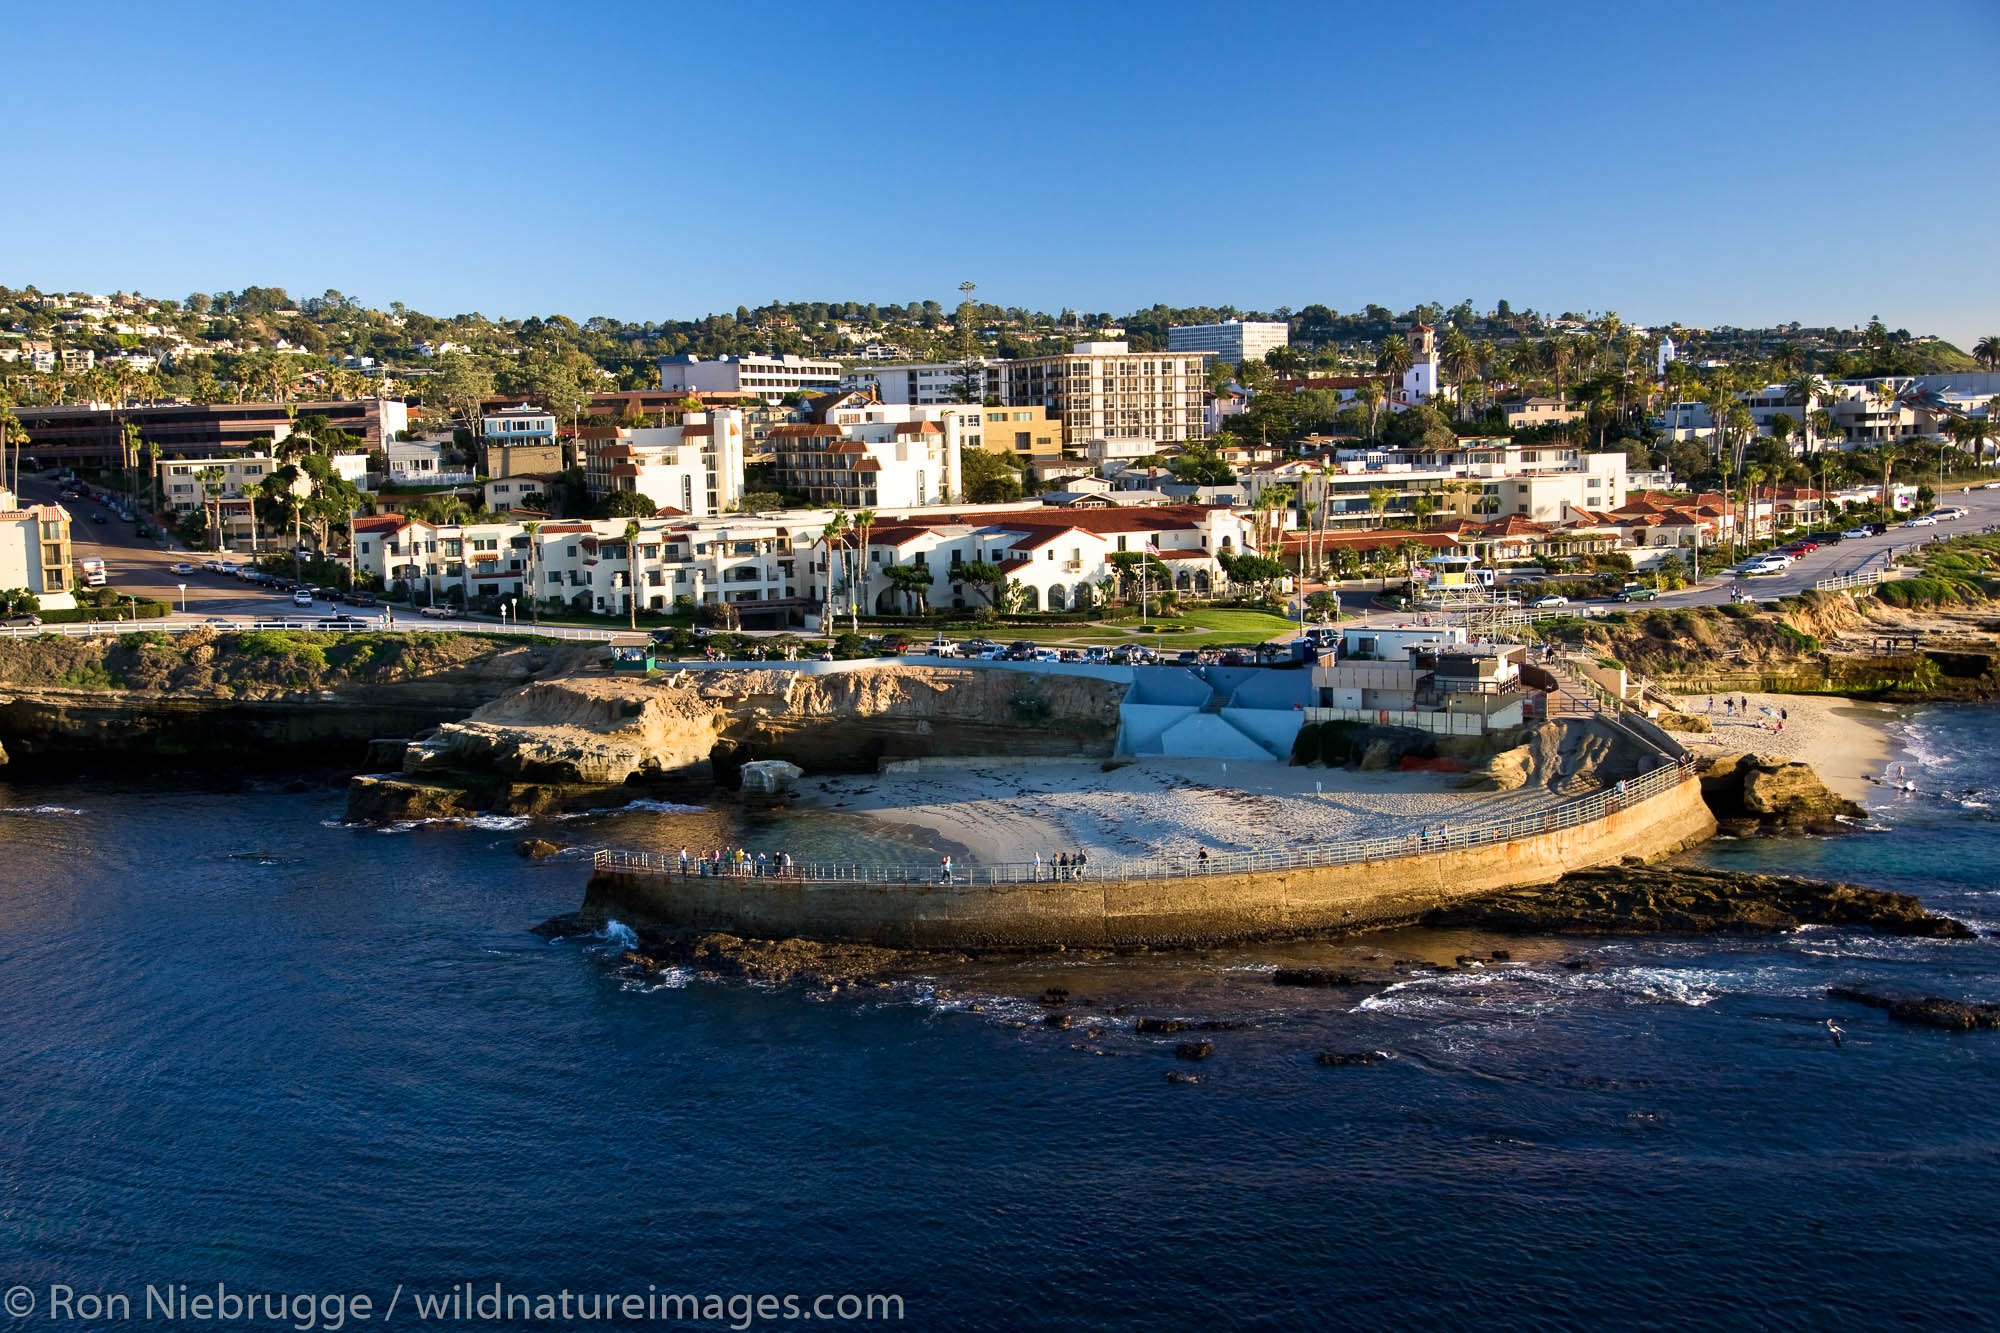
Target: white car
302, 597
1552, 599
1921, 521
1857, 532
182, 567
1947, 514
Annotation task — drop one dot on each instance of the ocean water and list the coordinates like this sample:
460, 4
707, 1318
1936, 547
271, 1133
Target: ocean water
243, 1044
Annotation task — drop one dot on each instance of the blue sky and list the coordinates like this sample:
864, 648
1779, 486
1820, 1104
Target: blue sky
1704, 162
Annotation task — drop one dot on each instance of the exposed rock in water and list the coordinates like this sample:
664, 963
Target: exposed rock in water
755, 960
1752, 793
1926, 1010
1194, 1050
1678, 900
1161, 1025
770, 777
537, 849
1334, 1059
1179, 1076
1312, 976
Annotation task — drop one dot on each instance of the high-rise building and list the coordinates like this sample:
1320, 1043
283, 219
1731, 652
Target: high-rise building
1106, 390
1235, 340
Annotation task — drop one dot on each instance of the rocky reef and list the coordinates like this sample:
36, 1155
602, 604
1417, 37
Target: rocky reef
1676, 900
718, 955
1751, 793
1933, 1011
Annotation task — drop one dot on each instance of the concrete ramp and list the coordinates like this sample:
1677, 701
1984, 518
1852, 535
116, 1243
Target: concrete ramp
1142, 725
1210, 736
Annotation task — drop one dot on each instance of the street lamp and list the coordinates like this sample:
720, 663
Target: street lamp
184, 597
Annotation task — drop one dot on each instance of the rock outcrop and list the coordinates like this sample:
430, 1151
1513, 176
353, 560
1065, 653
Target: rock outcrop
1924, 1010
1751, 793
1676, 900
598, 729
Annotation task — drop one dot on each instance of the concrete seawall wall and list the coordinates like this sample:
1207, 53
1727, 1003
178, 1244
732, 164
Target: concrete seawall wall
1132, 912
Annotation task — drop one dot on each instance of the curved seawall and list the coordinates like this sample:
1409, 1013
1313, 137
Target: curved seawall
1153, 910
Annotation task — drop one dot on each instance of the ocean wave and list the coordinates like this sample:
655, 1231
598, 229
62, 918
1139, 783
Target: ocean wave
1529, 992
39, 810
638, 807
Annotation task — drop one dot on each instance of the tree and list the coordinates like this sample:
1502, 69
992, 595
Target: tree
463, 385
990, 580
1987, 351
632, 571
533, 532
1258, 571
1808, 388
864, 523
988, 477
1369, 396
629, 504
830, 537
12, 435
1394, 358
914, 583
1198, 464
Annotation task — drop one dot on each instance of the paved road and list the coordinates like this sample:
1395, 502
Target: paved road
145, 566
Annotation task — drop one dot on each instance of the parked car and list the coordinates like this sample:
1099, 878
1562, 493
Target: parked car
1637, 592
363, 599
1921, 521
1948, 513
1021, 650
342, 622
98, 518
438, 612
181, 567
1802, 546
1857, 533
302, 597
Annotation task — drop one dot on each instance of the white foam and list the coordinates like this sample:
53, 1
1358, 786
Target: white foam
499, 823
638, 807
39, 810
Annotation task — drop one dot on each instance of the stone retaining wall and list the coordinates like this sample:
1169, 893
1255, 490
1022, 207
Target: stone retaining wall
1135, 912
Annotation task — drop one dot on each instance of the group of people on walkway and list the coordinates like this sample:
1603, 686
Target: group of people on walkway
738, 861
1063, 865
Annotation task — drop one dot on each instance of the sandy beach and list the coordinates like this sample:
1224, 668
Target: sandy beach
1846, 742
1008, 810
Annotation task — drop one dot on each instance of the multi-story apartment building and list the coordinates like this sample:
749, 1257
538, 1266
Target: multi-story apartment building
856, 453
92, 435
695, 467
930, 383
1367, 488
35, 551
1234, 340
218, 486
588, 565
1106, 390
1055, 559
769, 377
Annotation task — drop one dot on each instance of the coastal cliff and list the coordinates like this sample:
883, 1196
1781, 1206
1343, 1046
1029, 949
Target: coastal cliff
245, 699
555, 743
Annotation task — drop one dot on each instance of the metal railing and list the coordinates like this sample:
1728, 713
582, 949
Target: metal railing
1848, 582
1428, 842
367, 625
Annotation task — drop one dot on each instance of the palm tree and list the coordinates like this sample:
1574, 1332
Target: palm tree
1987, 351
533, 532
1393, 358
212, 478
1885, 395
1370, 397
11, 433
1460, 360
1807, 388
632, 572
830, 534
1378, 503
864, 523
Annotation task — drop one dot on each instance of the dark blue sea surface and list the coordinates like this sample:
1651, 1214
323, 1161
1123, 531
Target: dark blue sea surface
241, 1043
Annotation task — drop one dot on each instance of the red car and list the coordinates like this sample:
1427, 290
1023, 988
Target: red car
1800, 548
